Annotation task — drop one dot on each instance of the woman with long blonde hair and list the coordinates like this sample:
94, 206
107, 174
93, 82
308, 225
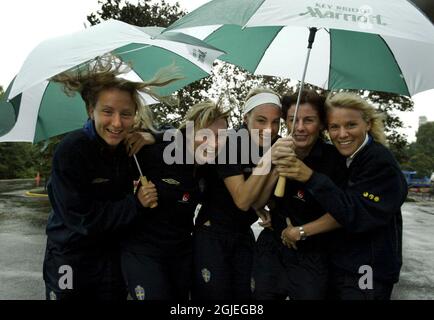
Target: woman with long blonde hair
223, 240
157, 253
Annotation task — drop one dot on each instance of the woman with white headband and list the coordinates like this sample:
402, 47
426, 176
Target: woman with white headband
223, 240
291, 260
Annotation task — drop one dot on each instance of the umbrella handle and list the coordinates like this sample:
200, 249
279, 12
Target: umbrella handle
280, 187
144, 181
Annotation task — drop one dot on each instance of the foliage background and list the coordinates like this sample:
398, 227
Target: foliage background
229, 85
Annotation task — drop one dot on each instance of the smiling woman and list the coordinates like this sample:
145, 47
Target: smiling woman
365, 205
113, 115
91, 186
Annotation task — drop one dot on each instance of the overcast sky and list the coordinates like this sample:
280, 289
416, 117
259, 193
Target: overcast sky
25, 23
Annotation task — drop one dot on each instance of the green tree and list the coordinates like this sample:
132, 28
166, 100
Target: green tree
16, 160
388, 103
424, 139
422, 164
420, 154
144, 13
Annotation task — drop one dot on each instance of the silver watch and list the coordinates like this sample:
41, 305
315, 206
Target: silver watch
303, 234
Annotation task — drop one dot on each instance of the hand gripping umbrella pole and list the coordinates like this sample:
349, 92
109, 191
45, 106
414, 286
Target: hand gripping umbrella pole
280, 187
143, 179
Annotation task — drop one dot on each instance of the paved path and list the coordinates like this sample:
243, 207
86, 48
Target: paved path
22, 243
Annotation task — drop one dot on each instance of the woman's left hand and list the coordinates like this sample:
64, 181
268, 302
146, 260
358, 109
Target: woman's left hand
136, 140
290, 235
293, 168
282, 148
265, 217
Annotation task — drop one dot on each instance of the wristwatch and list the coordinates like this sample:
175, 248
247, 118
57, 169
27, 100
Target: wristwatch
303, 234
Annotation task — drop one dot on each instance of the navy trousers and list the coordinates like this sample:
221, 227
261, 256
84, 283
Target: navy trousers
280, 272
344, 285
157, 277
222, 263
95, 275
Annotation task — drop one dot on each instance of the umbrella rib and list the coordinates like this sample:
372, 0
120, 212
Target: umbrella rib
136, 49
330, 59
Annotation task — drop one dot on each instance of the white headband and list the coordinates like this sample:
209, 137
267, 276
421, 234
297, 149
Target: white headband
261, 98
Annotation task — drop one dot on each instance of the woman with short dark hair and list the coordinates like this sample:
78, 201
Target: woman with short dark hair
367, 258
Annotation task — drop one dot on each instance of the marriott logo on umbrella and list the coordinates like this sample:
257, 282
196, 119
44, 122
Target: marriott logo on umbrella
357, 15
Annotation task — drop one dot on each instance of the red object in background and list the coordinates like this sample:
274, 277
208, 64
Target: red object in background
37, 179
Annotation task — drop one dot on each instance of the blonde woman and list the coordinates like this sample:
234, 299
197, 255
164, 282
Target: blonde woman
223, 239
157, 254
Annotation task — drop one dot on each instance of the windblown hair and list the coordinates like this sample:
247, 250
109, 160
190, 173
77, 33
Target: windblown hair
369, 114
203, 114
144, 119
103, 74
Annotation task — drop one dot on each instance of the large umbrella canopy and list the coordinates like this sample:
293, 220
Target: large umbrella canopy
381, 45
7, 114
45, 111
145, 47
40, 107
384, 45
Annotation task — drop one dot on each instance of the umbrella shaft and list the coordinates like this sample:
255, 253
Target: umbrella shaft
138, 165
300, 91
312, 33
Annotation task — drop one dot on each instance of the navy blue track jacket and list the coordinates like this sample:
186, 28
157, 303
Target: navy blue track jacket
219, 206
369, 209
300, 206
91, 193
167, 228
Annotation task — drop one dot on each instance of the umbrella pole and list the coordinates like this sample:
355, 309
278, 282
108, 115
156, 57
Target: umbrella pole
143, 179
280, 187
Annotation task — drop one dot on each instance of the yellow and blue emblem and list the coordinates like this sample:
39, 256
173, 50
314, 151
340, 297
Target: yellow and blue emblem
206, 275
140, 293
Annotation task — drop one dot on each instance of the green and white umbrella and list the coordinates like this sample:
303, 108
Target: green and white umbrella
382, 45
42, 110
45, 111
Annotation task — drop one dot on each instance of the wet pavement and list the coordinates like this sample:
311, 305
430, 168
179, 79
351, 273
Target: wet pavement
22, 241
22, 244
417, 273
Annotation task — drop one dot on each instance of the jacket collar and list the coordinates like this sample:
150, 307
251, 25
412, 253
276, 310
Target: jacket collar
368, 140
90, 131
